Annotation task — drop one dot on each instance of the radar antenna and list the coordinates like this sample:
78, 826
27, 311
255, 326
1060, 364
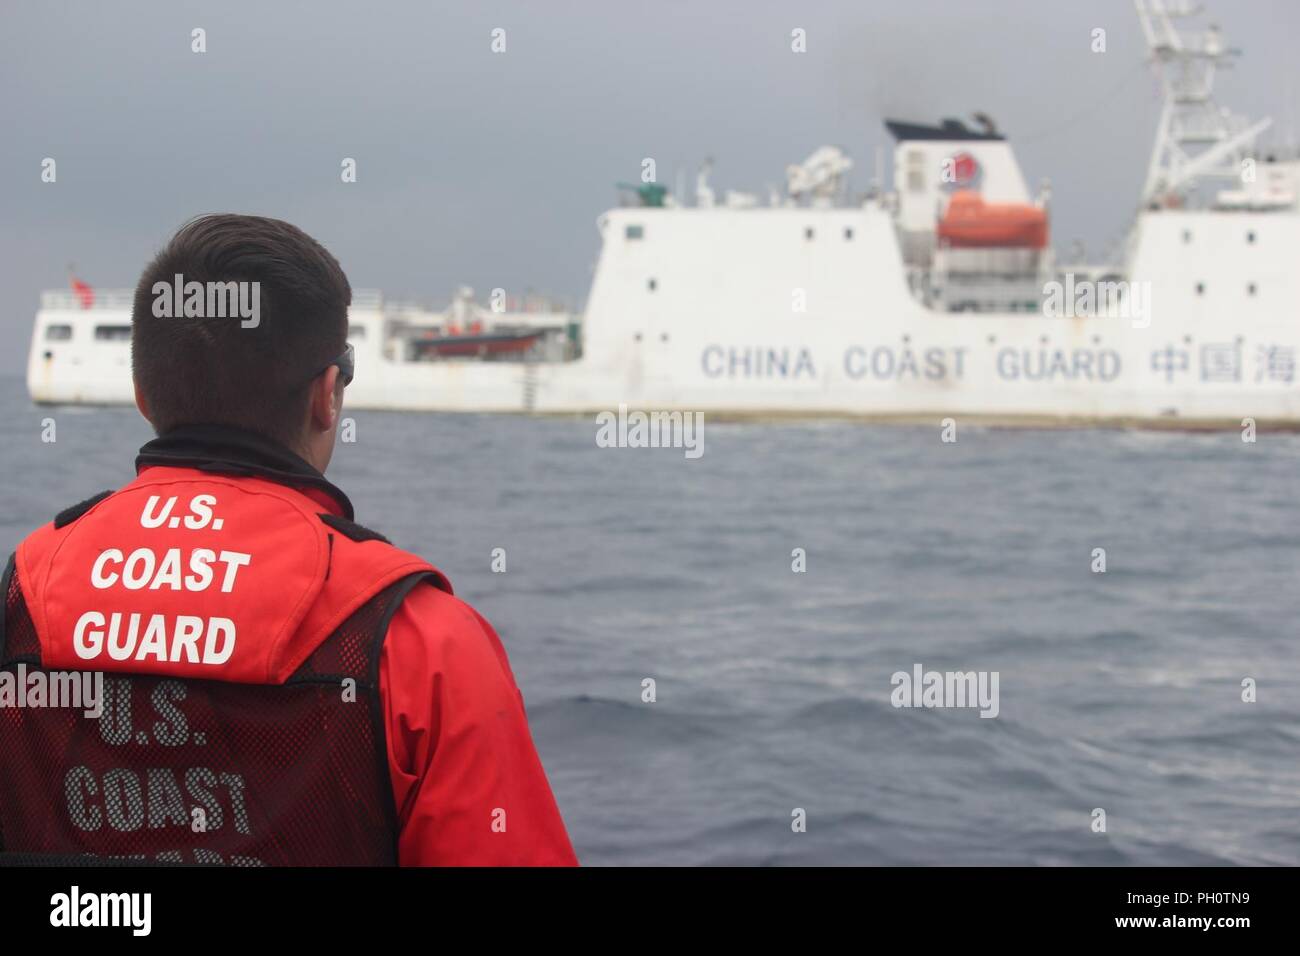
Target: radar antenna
819, 176
1196, 138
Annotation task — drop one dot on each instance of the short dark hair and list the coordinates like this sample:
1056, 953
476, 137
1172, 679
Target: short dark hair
215, 370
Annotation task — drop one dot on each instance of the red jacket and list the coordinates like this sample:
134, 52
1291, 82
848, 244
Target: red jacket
467, 784
458, 743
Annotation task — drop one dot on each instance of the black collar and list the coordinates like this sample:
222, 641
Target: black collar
226, 450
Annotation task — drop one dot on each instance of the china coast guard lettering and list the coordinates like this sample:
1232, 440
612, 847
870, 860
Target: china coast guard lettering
907, 363
1231, 362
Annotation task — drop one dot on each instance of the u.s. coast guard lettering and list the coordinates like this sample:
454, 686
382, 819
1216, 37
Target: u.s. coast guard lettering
135, 636
199, 799
202, 799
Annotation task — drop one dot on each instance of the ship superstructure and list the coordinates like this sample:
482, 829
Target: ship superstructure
940, 295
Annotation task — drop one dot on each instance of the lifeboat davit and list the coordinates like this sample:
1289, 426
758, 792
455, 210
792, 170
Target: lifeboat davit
971, 223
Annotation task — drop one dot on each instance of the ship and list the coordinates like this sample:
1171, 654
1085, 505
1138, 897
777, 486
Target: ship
938, 296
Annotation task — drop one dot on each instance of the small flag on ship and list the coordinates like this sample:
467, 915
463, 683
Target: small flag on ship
84, 293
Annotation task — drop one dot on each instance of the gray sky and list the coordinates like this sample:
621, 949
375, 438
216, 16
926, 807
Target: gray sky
490, 169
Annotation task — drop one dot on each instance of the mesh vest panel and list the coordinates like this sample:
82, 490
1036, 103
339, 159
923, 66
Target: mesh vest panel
204, 772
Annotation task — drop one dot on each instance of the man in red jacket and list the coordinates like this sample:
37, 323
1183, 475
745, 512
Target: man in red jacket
282, 686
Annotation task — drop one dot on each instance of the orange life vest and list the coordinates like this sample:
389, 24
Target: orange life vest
238, 623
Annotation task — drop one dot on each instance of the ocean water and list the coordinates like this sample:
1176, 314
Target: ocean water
1120, 691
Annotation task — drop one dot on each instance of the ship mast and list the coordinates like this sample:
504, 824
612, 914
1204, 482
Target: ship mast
1196, 138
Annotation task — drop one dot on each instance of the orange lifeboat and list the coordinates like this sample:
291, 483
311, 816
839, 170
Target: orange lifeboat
971, 223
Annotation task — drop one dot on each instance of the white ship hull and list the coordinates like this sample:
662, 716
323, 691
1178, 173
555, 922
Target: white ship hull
721, 336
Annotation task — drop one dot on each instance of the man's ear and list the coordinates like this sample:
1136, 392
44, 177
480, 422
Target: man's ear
140, 402
325, 401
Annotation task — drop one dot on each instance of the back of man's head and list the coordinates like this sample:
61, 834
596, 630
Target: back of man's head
198, 359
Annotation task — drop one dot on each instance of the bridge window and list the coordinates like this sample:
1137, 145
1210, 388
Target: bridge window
635, 232
915, 171
1187, 235
1250, 289
1250, 237
58, 333
808, 233
652, 285
848, 233
112, 333
1200, 288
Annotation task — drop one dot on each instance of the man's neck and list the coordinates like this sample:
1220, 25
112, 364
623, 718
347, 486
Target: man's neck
232, 450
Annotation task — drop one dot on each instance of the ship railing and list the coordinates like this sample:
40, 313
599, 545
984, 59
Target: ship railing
121, 299
513, 307
362, 300
68, 301
394, 307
